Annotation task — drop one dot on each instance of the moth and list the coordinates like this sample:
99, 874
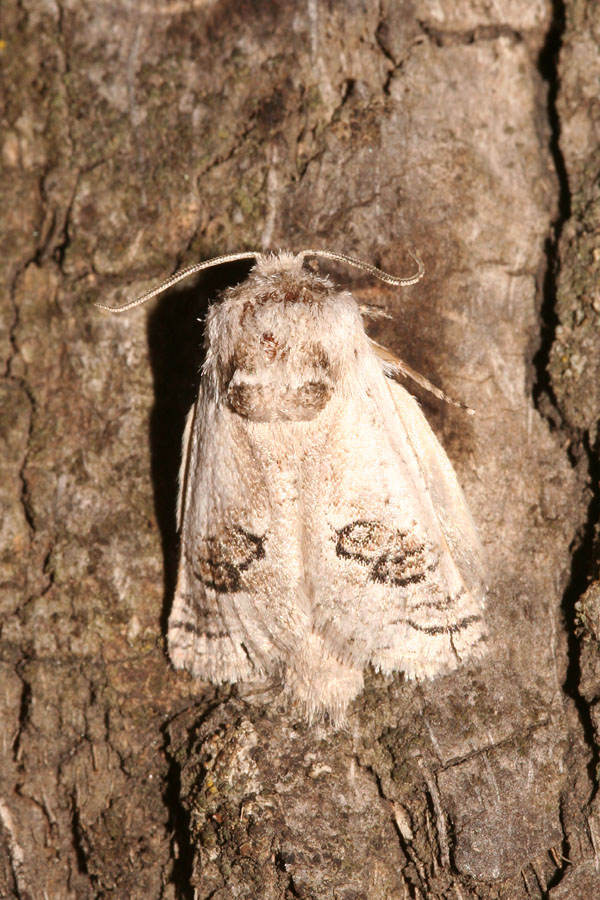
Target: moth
323, 528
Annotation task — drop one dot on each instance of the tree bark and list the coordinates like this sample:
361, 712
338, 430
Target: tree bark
137, 138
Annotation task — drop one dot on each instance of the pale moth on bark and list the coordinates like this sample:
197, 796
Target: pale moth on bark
322, 525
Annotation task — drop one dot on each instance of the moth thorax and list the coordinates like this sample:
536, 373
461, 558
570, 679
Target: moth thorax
270, 379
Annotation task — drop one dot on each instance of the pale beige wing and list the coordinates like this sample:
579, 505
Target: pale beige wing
391, 553
236, 608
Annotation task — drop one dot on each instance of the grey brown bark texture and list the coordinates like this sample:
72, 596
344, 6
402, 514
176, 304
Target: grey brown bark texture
137, 137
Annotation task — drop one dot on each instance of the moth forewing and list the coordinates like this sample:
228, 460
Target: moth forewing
460, 616
459, 530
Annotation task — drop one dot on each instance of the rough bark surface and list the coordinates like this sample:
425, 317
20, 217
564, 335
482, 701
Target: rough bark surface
139, 137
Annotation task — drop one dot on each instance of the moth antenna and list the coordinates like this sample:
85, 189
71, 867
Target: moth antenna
179, 276
395, 366
254, 254
367, 267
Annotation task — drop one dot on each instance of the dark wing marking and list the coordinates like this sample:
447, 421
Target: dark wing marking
221, 559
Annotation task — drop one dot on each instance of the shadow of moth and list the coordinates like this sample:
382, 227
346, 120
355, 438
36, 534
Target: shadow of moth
322, 525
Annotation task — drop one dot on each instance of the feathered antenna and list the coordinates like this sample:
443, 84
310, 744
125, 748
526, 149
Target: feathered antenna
179, 276
367, 267
252, 254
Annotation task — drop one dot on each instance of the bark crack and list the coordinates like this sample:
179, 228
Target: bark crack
20, 382
445, 38
581, 451
496, 745
412, 864
544, 397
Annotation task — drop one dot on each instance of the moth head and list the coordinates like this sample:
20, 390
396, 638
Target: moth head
277, 343
273, 342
